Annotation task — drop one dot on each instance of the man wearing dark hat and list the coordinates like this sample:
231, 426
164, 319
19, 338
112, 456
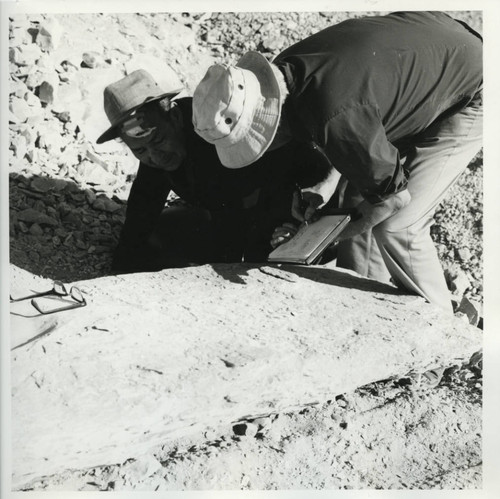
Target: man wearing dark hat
393, 102
224, 215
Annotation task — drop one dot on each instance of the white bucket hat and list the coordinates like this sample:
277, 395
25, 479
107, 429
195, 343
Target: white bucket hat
238, 108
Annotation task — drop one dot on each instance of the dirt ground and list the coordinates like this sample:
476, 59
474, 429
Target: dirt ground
388, 435
394, 434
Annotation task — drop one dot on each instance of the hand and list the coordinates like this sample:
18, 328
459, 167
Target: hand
283, 234
306, 201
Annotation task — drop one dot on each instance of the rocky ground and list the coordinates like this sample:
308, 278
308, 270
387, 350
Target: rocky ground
67, 205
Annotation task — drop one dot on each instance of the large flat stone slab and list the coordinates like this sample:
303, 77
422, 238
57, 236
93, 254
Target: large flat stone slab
156, 356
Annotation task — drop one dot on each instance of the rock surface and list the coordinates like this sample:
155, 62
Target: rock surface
153, 357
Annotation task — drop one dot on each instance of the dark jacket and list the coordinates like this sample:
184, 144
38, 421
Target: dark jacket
360, 90
245, 204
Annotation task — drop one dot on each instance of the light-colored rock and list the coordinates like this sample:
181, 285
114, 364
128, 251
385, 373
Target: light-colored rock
92, 60
457, 280
20, 36
69, 96
26, 55
93, 120
164, 75
18, 88
95, 174
34, 77
18, 145
33, 101
49, 34
46, 63
52, 141
156, 356
20, 109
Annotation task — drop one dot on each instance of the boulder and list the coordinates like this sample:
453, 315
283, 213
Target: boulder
49, 34
164, 75
34, 216
20, 109
48, 88
26, 55
156, 356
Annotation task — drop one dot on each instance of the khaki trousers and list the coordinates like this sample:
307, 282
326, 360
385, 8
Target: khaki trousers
401, 247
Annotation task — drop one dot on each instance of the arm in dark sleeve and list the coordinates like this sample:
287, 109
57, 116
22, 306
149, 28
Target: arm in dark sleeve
356, 144
146, 201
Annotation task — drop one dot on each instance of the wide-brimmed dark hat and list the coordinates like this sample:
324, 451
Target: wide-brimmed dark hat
127, 95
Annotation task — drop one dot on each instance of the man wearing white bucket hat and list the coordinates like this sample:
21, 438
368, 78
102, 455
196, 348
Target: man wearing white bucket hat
223, 216
394, 103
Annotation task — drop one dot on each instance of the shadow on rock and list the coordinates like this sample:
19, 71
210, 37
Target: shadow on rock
236, 272
341, 279
61, 231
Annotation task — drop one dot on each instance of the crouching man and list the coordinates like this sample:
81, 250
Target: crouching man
395, 104
223, 215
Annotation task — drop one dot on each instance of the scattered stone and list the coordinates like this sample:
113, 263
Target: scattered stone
464, 254
92, 60
18, 145
18, 88
64, 117
46, 63
29, 134
34, 78
48, 88
105, 204
69, 157
49, 35
36, 230
19, 36
274, 43
246, 429
95, 158
90, 195
45, 184
31, 215
33, 101
34, 256
68, 100
52, 141
13, 119
20, 109
470, 309
457, 280
26, 55
141, 468
94, 174
165, 76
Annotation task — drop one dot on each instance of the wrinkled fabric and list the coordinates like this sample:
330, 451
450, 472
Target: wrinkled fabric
364, 88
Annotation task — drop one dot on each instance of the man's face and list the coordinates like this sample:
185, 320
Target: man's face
156, 136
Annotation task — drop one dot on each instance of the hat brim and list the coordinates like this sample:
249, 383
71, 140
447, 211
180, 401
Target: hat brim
266, 118
113, 131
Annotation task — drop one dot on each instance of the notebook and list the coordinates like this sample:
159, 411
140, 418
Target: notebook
311, 240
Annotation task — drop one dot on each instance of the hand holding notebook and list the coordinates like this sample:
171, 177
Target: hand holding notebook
310, 240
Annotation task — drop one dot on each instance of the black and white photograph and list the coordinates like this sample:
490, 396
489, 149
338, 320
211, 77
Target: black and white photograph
249, 248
